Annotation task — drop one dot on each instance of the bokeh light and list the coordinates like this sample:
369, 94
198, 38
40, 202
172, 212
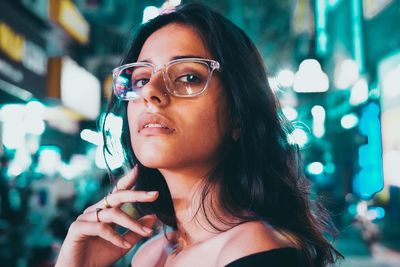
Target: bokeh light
310, 78
149, 13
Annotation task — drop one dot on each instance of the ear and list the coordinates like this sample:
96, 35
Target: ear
236, 131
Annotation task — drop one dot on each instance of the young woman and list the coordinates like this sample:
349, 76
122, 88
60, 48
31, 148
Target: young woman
210, 158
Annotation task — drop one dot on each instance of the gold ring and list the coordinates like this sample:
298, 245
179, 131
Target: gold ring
97, 214
106, 204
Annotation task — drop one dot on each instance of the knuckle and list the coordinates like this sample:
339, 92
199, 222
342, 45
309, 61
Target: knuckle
103, 227
74, 226
115, 212
80, 217
89, 209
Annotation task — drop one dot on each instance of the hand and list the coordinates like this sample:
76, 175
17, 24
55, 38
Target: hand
92, 240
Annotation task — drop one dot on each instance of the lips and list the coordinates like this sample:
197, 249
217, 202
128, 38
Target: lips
154, 123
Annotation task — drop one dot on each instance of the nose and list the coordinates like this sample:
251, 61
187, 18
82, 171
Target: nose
155, 92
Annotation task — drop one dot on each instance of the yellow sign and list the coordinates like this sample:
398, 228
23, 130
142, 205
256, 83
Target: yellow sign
21, 50
67, 15
11, 43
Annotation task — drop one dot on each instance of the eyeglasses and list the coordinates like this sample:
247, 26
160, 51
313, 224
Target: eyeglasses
186, 77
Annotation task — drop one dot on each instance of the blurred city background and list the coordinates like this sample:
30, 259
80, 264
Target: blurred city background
334, 65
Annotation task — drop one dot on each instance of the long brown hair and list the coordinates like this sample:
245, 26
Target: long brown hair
259, 175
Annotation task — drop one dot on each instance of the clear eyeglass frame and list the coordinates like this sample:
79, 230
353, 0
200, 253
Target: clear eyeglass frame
212, 65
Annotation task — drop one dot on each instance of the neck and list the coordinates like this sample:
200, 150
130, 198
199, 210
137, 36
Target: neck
186, 189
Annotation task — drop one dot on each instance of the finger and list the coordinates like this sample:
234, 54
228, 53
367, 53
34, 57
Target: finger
116, 216
124, 196
102, 230
148, 221
128, 181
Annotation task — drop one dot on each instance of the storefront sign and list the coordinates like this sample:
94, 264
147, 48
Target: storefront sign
66, 14
23, 58
80, 90
19, 49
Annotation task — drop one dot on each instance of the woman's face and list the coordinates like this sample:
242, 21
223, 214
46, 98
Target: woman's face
176, 133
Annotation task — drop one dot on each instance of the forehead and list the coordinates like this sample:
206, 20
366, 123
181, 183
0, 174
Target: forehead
173, 40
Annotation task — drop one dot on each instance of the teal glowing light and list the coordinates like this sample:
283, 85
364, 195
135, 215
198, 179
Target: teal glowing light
329, 167
315, 168
333, 3
375, 213
321, 11
349, 121
358, 49
369, 180
14, 199
352, 209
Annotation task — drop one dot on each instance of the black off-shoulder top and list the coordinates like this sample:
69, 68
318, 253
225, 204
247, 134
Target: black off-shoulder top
280, 257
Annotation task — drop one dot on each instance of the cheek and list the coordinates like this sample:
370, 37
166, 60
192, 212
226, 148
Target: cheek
207, 130
132, 116
216, 118
208, 121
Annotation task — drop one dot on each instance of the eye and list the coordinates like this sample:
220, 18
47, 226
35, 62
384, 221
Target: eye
140, 83
189, 78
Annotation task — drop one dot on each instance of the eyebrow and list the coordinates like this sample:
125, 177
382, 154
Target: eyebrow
175, 57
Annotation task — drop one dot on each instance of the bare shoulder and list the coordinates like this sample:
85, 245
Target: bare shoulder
157, 247
249, 238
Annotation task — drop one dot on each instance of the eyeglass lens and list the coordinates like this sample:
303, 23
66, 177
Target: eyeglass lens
181, 79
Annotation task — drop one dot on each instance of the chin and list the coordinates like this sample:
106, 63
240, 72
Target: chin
151, 164
153, 161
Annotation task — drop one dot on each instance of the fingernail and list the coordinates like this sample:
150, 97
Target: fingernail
152, 193
147, 230
127, 244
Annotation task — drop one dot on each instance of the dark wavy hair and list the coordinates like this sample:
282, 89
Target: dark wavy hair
259, 176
